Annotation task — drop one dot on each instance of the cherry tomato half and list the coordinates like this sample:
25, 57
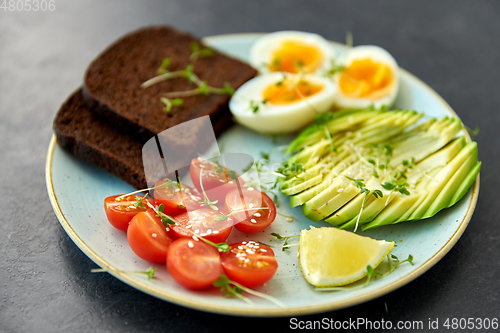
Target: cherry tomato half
258, 210
193, 264
120, 210
176, 200
204, 222
249, 263
147, 237
216, 184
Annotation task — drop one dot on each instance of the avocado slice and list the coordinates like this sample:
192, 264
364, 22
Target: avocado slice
464, 187
444, 198
302, 186
391, 213
372, 208
440, 180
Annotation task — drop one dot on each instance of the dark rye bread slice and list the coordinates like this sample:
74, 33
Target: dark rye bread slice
113, 79
79, 131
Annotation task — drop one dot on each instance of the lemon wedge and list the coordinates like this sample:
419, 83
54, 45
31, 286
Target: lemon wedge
332, 257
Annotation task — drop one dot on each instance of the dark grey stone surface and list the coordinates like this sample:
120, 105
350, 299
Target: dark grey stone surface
45, 284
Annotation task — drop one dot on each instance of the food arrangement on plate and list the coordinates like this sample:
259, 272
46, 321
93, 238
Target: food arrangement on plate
353, 161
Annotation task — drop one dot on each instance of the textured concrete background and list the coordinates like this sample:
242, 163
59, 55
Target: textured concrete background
45, 280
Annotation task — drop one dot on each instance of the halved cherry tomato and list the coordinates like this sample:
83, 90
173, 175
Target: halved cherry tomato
147, 237
258, 210
176, 200
249, 263
193, 264
204, 222
120, 210
216, 184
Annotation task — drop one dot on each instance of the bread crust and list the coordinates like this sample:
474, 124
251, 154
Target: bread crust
82, 133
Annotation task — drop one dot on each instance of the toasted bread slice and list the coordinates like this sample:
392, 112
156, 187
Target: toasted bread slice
112, 85
81, 132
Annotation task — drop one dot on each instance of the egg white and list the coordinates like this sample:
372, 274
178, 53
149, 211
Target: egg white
376, 54
273, 119
262, 50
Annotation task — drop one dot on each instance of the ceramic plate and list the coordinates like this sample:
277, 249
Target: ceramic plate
77, 190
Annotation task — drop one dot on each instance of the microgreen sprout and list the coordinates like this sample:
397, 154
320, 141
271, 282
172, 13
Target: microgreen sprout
150, 272
164, 66
394, 262
360, 183
394, 186
228, 173
165, 219
172, 99
169, 104
167, 184
199, 52
329, 137
289, 218
256, 105
139, 204
231, 288
285, 239
287, 169
203, 89
334, 69
206, 200
168, 221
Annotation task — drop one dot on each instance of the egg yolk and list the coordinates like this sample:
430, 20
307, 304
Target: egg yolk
288, 91
296, 56
366, 78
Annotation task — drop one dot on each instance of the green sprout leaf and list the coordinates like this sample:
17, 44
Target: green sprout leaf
139, 204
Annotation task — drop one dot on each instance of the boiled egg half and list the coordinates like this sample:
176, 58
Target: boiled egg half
279, 102
291, 52
370, 78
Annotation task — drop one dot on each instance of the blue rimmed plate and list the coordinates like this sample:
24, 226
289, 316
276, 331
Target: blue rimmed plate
77, 190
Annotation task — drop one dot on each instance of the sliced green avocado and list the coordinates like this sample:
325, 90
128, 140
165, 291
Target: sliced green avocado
464, 187
393, 211
372, 208
347, 212
329, 201
440, 180
444, 198
302, 186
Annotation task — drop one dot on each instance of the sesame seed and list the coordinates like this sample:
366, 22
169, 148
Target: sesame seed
257, 215
250, 188
215, 231
211, 174
243, 242
209, 231
250, 205
250, 251
195, 238
221, 180
340, 190
202, 166
190, 244
253, 221
262, 250
154, 235
197, 231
